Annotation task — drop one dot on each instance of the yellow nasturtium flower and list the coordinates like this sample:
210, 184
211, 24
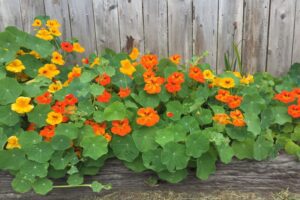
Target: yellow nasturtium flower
208, 75
15, 66
22, 105
55, 31
54, 118
127, 68
226, 83
134, 54
37, 23
95, 62
52, 23
57, 58
44, 34
35, 54
13, 143
54, 87
237, 74
247, 79
49, 71
78, 48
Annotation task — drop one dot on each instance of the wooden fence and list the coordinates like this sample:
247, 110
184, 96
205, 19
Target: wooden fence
267, 30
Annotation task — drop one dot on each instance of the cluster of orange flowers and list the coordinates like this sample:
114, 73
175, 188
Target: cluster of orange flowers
289, 97
236, 118
99, 129
174, 82
152, 83
232, 101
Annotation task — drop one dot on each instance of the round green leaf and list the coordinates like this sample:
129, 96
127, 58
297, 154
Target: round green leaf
196, 144
173, 177
243, 150
124, 148
144, 139
39, 115
115, 111
10, 90
21, 185
94, 147
69, 130
35, 169
262, 148
40, 152
205, 166
42, 186
7, 116
29, 138
61, 142
176, 108
75, 179
137, 165
152, 160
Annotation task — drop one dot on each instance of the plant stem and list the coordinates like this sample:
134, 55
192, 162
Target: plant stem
71, 186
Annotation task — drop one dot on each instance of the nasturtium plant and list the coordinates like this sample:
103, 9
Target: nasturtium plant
63, 118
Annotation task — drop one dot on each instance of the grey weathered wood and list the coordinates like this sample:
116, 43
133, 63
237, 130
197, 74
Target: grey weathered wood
107, 24
230, 28
131, 24
180, 28
255, 35
296, 44
281, 31
29, 10
82, 23
10, 14
59, 9
244, 176
205, 29
156, 26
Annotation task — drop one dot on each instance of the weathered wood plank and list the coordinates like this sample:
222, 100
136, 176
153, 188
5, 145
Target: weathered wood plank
131, 24
29, 10
107, 24
230, 28
255, 35
180, 28
82, 23
58, 9
205, 29
296, 44
10, 14
281, 30
244, 176
156, 26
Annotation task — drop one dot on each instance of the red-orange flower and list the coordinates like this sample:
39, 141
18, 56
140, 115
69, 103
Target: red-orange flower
175, 58
67, 46
70, 100
149, 61
31, 127
59, 107
121, 127
148, 75
222, 118
48, 131
234, 101
153, 85
103, 79
45, 98
173, 88
296, 92
124, 92
176, 78
294, 111
237, 118
196, 74
222, 95
99, 128
285, 96
85, 60
170, 114
147, 117
104, 97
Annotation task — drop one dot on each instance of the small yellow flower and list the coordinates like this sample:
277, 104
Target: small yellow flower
247, 79
35, 54
78, 48
49, 71
52, 23
96, 62
54, 87
134, 54
13, 143
127, 68
55, 31
15, 66
37, 23
215, 81
226, 83
175, 58
44, 34
57, 58
208, 74
237, 74
54, 118
22, 105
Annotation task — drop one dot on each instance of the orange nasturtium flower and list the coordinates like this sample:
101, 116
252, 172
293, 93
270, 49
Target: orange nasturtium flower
78, 48
294, 111
36, 23
54, 87
44, 34
45, 98
57, 58
296, 92
49, 71
153, 85
103, 79
149, 61
237, 118
70, 100
121, 127
124, 92
285, 96
226, 83
176, 78
222, 118
15, 66
54, 118
22, 105
48, 131
234, 101
66, 46
173, 87
175, 58
222, 95
208, 75
13, 143
104, 97
147, 117
196, 74
127, 68
134, 54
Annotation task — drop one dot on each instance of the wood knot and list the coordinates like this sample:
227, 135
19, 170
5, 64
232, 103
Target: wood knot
282, 16
234, 25
112, 7
129, 43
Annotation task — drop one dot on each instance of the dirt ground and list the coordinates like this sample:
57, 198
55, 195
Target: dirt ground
219, 195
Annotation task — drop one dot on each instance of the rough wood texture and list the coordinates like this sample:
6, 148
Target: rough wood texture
205, 29
107, 24
131, 24
59, 9
230, 28
296, 44
255, 35
281, 31
10, 14
156, 26
180, 28
244, 176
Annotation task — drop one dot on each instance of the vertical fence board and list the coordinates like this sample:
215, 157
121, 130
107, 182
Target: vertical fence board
281, 30
180, 28
230, 28
156, 26
58, 9
255, 35
205, 29
82, 23
107, 24
296, 45
29, 10
131, 24
10, 14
